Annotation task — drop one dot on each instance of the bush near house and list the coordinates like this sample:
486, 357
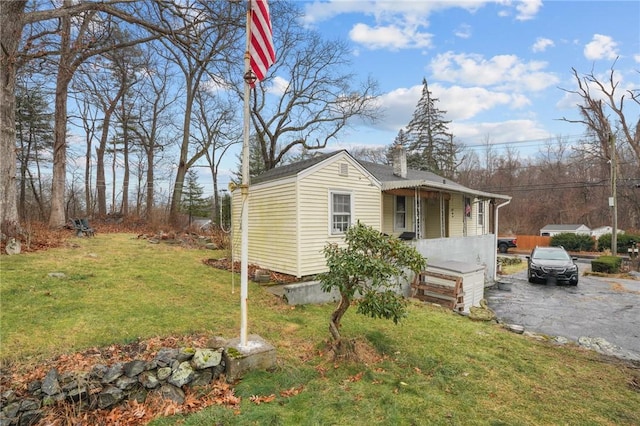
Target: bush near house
606, 264
573, 242
625, 241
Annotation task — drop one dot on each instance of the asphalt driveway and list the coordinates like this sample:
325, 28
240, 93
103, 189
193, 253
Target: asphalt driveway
597, 308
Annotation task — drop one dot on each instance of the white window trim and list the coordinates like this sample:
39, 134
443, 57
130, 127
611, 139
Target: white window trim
351, 213
395, 213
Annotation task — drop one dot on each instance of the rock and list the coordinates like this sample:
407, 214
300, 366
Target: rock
518, 329
166, 356
78, 394
149, 380
113, 373
50, 385
126, 383
561, 340
28, 418
12, 409
482, 313
202, 377
182, 375
134, 368
205, 358
29, 404
173, 393
185, 354
56, 275
164, 373
13, 247
110, 396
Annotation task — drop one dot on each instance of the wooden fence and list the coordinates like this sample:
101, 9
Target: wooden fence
529, 242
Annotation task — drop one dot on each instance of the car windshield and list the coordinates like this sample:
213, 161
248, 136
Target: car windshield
551, 255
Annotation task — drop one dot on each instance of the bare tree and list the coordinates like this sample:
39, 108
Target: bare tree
216, 130
92, 23
210, 44
310, 94
11, 25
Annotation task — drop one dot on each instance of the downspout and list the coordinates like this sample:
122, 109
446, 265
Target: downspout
495, 242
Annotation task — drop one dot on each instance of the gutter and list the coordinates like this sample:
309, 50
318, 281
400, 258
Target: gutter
495, 269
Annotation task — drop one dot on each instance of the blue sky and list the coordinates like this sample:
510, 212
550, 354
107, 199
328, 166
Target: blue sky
496, 66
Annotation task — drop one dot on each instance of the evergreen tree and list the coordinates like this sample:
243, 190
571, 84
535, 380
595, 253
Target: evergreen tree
427, 139
193, 203
34, 143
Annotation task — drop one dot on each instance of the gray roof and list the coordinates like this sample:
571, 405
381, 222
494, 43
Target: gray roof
569, 227
291, 169
383, 173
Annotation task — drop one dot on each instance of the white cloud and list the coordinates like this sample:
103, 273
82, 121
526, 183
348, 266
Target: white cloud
501, 71
601, 47
460, 103
390, 37
497, 132
278, 86
527, 9
463, 31
542, 44
636, 58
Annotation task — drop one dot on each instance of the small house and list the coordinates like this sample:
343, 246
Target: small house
602, 230
296, 209
552, 230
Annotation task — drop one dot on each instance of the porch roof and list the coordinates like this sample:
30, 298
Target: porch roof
422, 179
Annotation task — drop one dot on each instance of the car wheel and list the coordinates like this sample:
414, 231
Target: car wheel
503, 248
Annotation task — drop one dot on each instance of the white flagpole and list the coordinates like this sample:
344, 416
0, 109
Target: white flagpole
244, 188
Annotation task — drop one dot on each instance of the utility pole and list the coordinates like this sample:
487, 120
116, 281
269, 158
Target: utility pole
613, 202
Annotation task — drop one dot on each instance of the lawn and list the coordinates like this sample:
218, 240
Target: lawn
435, 367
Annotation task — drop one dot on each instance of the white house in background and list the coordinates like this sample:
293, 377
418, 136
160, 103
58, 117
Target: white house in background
296, 209
602, 230
552, 230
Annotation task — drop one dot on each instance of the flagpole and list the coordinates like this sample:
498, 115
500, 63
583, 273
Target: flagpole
244, 188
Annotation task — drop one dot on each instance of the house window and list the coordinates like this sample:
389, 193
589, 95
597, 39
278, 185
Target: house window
481, 213
340, 212
401, 212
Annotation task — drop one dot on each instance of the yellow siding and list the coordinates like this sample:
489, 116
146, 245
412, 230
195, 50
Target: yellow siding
431, 211
456, 215
272, 227
389, 215
314, 209
289, 220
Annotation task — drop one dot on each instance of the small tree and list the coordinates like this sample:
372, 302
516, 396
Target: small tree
372, 265
193, 201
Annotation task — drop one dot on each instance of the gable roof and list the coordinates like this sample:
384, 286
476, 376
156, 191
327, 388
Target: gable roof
383, 173
569, 227
292, 169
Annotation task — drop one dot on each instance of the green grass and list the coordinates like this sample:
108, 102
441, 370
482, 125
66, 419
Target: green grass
435, 367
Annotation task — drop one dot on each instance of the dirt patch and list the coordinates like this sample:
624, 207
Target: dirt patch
227, 265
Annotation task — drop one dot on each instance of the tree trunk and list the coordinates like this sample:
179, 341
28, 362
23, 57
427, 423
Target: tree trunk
149, 212
336, 316
11, 26
65, 73
125, 180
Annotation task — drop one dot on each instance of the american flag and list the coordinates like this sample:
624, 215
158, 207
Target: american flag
261, 50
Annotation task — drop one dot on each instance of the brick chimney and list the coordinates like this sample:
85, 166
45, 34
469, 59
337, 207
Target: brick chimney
399, 161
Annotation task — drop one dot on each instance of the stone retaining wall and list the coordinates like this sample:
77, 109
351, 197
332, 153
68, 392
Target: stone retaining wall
105, 386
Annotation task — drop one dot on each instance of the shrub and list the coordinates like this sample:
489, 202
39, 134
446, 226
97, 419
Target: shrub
606, 264
573, 242
625, 242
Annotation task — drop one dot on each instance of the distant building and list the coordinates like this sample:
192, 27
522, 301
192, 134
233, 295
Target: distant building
552, 230
602, 230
